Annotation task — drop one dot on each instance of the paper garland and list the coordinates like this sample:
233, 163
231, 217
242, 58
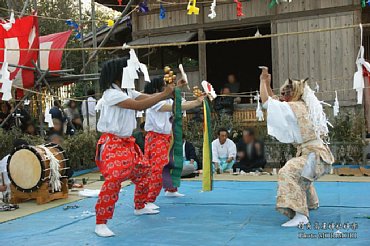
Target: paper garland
162, 12
212, 15
192, 8
143, 6
6, 83
239, 8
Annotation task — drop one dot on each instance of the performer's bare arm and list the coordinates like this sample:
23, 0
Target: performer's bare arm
147, 102
265, 88
184, 106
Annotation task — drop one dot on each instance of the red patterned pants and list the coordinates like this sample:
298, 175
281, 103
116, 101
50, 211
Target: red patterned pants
119, 159
156, 152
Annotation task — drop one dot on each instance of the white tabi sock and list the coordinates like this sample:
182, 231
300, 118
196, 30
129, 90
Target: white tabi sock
297, 219
102, 230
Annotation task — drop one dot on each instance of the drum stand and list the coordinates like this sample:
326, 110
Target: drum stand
42, 195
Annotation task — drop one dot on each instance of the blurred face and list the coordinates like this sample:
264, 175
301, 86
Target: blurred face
231, 79
73, 105
57, 140
222, 137
247, 138
31, 129
226, 91
4, 108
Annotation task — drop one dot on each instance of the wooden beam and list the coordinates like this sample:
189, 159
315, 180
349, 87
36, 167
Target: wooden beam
245, 21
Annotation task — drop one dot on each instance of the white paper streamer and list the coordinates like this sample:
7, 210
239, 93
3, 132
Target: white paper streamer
317, 87
8, 25
336, 105
259, 112
130, 72
358, 78
7, 84
212, 15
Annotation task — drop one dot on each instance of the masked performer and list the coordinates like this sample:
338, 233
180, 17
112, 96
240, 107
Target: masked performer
299, 119
158, 126
117, 155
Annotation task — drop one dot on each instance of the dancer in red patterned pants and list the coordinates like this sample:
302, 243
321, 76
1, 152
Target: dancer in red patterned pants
156, 151
123, 161
157, 141
117, 155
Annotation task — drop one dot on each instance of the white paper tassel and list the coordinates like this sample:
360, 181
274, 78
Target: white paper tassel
317, 87
208, 89
259, 112
212, 15
7, 26
54, 177
358, 78
336, 105
316, 113
7, 84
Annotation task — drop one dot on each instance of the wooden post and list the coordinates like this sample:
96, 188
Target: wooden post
202, 56
202, 49
83, 63
95, 66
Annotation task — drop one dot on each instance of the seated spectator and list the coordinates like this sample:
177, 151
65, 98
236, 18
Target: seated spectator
190, 159
5, 110
73, 116
251, 153
224, 104
55, 139
232, 83
139, 136
29, 128
223, 152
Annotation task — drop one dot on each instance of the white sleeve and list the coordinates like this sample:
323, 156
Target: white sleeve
159, 105
214, 153
282, 122
112, 97
232, 150
135, 94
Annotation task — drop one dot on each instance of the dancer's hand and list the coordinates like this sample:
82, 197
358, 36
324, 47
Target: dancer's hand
201, 99
168, 91
181, 83
265, 77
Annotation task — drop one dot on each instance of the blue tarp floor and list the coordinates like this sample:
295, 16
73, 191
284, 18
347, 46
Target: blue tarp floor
235, 213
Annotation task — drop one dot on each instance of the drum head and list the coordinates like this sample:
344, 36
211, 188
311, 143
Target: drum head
25, 169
